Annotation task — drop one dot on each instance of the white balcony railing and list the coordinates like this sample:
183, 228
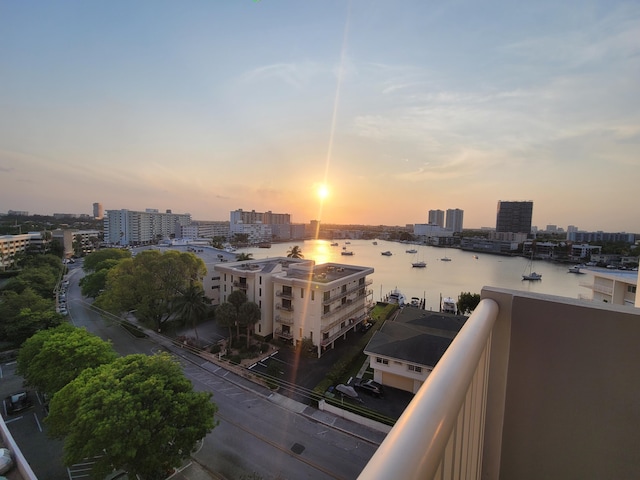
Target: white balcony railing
440, 434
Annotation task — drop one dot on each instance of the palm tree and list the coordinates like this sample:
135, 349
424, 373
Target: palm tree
241, 257
192, 306
248, 315
295, 252
237, 298
227, 316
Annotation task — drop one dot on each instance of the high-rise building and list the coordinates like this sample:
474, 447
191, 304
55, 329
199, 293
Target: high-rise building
454, 220
514, 217
126, 227
436, 217
98, 212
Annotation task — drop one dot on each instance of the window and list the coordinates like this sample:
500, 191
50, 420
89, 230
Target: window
302, 293
260, 292
326, 309
260, 303
344, 289
325, 336
383, 361
260, 280
326, 296
259, 327
631, 288
414, 368
313, 296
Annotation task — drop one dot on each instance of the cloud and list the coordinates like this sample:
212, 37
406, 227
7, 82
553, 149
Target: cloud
296, 75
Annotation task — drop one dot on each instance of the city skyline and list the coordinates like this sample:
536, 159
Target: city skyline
397, 109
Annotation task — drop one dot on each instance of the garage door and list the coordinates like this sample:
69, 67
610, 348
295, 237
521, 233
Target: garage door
396, 381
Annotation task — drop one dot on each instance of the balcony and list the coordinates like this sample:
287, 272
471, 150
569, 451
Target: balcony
241, 285
287, 308
338, 296
282, 334
284, 320
284, 294
533, 386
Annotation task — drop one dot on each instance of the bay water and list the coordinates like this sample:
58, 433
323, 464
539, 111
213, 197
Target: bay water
465, 272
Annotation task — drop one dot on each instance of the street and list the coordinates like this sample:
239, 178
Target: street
258, 432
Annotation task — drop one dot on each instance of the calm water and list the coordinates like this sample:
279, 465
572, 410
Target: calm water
462, 274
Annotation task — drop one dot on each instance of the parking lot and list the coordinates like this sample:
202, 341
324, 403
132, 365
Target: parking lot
26, 426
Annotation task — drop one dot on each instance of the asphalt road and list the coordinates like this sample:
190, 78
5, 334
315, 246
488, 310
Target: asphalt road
254, 435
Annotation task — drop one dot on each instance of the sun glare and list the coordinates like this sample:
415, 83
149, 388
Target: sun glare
323, 192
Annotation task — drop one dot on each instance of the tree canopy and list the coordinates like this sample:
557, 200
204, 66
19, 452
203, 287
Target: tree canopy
52, 358
192, 306
467, 302
24, 313
149, 284
138, 413
92, 261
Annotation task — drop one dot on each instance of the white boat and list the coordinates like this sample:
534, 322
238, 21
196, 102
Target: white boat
449, 305
387, 253
531, 275
475, 257
412, 250
415, 302
576, 269
396, 297
419, 264
346, 252
445, 259
375, 243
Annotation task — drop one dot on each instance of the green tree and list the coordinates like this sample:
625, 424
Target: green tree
24, 313
226, 315
467, 302
94, 283
242, 257
248, 315
149, 284
138, 413
192, 306
94, 259
295, 252
52, 358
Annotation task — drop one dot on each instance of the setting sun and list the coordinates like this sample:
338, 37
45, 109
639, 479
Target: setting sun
323, 192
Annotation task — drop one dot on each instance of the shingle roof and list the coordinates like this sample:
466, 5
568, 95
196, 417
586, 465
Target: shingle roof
416, 336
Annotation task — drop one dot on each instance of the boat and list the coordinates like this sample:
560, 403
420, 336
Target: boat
412, 250
576, 269
415, 302
475, 257
387, 253
531, 275
449, 305
334, 244
445, 259
375, 243
264, 245
346, 252
396, 297
419, 264
347, 243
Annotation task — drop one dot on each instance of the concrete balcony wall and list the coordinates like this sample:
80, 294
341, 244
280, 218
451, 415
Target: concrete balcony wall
563, 399
533, 387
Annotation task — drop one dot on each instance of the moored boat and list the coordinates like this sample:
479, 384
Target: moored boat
575, 269
412, 250
397, 297
387, 253
346, 252
449, 305
419, 264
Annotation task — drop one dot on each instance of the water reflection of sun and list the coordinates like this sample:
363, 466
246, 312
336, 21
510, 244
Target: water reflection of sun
318, 251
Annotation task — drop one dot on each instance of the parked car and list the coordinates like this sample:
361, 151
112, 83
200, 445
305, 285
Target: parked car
18, 402
371, 387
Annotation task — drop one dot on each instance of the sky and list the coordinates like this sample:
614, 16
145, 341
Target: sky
397, 108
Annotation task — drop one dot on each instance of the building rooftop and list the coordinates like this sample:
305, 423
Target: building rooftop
416, 336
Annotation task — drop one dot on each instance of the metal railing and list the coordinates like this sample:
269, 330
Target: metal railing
338, 296
440, 434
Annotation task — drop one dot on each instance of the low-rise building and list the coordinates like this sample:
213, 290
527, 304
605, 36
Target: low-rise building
616, 287
404, 351
300, 300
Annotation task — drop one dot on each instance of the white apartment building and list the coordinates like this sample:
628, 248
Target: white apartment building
127, 227
618, 287
455, 218
299, 299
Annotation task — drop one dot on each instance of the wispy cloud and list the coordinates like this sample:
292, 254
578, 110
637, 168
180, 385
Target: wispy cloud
296, 75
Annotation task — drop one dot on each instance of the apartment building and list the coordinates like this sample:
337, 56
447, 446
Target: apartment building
128, 227
299, 299
616, 287
12, 245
